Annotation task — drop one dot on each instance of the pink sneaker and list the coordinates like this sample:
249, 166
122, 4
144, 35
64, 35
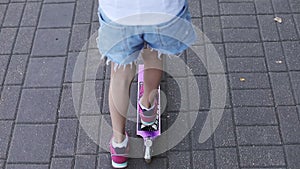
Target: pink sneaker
148, 116
119, 156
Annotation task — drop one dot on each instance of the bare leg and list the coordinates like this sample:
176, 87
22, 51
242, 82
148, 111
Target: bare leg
119, 99
152, 76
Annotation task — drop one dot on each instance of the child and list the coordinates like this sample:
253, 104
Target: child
133, 28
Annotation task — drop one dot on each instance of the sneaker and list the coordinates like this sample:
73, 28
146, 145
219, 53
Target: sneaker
148, 116
119, 156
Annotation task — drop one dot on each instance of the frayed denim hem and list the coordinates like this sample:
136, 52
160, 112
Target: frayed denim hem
159, 53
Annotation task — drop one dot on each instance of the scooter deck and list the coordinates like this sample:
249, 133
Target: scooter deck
154, 130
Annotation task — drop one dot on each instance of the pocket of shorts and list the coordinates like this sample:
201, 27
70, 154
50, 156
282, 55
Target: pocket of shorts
111, 37
179, 31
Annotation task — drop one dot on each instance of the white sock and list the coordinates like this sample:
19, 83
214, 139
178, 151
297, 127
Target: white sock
145, 108
120, 145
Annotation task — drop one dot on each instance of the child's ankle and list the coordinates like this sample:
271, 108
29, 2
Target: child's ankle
120, 142
145, 104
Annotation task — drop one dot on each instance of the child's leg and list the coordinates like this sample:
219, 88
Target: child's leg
152, 76
119, 99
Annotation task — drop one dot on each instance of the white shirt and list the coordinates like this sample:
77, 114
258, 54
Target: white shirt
141, 12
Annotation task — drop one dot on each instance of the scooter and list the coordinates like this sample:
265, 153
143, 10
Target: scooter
148, 133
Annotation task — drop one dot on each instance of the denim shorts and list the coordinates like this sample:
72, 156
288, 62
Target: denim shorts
123, 44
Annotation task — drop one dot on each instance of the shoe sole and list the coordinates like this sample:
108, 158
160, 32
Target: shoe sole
116, 165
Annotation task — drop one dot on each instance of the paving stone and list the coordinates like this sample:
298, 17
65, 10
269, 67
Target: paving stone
56, 15
263, 6
105, 107
55, 1
268, 28
80, 36
51, 42
257, 97
85, 144
70, 100
16, 69
255, 116
194, 8
31, 143
27, 166
295, 5
85, 161
38, 105
94, 66
4, 61
17, 0
42, 72
246, 65
31, 14
197, 129
258, 135
282, 89
75, 60
84, 10
203, 159
58, 163
234, 1
178, 95
274, 56
295, 79
95, 12
65, 137
292, 53
179, 159
13, 14
297, 21
200, 100
196, 61
34, 0
92, 98
184, 144
224, 134
140, 163
280, 6
209, 7
292, 154
241, 35
24, 40
239, 21
7, 35
3, 8
5, 135
261, 156
288, 30
171, 66
2, 163
93, 35
298, 106
212, 28
9, 101
226, 158
244, 49
215, 58
104, 161
252, 80
237, 8
289, 124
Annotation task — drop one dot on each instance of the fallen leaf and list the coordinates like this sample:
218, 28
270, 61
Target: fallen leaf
242, 79
278, 19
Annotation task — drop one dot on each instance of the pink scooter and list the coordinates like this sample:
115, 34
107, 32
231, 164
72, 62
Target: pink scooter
148, 133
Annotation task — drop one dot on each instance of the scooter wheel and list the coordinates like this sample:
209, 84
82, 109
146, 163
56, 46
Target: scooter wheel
148, 161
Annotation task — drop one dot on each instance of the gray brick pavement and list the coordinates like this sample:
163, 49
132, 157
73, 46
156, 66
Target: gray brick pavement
42, 40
